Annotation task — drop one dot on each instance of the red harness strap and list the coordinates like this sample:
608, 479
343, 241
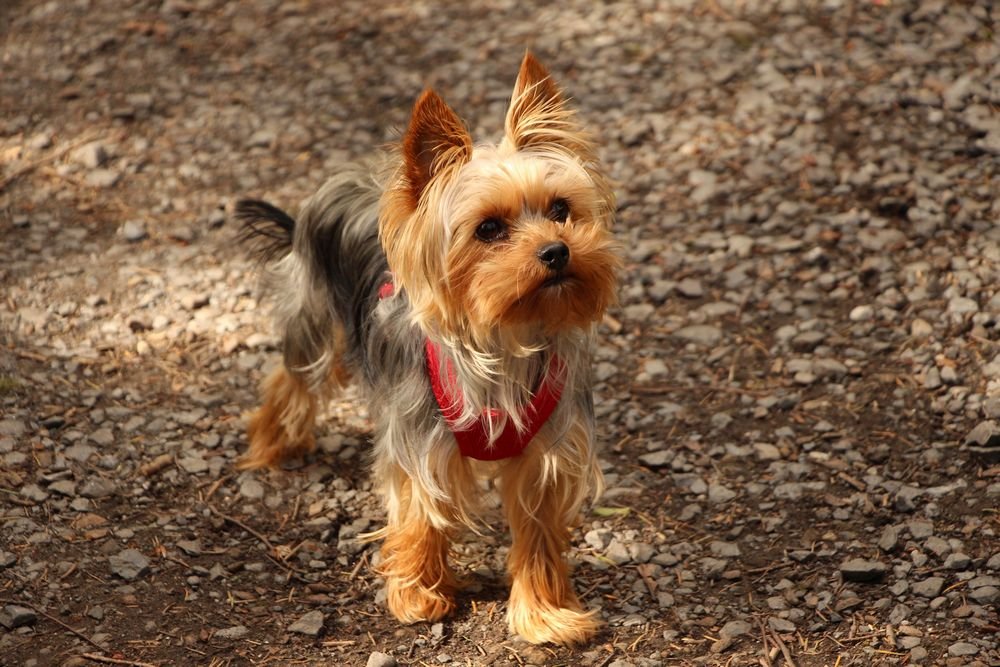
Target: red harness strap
474, 441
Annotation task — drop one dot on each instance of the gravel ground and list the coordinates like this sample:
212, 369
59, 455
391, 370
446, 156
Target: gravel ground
799, 394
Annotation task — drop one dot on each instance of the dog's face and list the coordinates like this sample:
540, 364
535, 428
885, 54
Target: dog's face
514, 236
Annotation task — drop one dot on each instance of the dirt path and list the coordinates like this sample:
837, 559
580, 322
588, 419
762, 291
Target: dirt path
796, 394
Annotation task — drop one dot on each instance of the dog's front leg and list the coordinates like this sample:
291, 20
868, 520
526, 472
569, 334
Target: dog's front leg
541, 502
420, 585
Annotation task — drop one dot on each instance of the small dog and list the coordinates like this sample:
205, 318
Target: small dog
461, 284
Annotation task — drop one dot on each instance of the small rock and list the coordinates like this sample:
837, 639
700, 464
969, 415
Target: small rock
717, 493
103, 437
765, 451
862, 313
34, 492
735, 629
132, 231
701, 334
309, 624
657, 459
961, 649
190, 547
377, 659
617, 553
91, 155
722, 549
102, 178
921, 328
97, 487
598, 538
985, 595
252, 489
15, 616
64, 487
780, 624
807, 341
889, 538
690, 288
862, 570
129, 564
928, 588
235, 632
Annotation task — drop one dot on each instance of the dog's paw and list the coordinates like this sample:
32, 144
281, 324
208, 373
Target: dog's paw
271, 443
412, 602
541, 624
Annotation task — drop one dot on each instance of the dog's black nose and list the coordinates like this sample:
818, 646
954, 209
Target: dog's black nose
555, 256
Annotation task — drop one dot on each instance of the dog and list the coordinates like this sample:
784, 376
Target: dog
461, 286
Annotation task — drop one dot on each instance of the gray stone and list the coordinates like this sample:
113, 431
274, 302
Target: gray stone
252, 489
235, 632
766, 452
862, 570
15, 616
34, 493
129, 564
308, 624
718, 493
97, 487
701, 334
90, 155
889, 539
735, 628
657, 459
598, 538
102, 178
617, 552
928, 588
962, 649
985, 595
807, 341
190, 547
193, 463
79, 452
64, 487
12, 427
722, 549
957, 561
690, 288
780, 624
132, 231
103, 437
377, 659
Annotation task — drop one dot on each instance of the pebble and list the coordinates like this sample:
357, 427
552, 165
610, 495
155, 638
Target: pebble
129, 564
15, 616
962, 649
308, 624
862, 570
133, 230
928, 588
702, 334
377, 659
231, 633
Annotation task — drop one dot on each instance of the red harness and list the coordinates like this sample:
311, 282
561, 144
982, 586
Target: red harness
474, 441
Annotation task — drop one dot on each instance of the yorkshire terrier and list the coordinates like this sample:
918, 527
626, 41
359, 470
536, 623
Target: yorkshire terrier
461, 284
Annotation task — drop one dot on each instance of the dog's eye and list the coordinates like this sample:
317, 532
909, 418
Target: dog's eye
559, 210
490, 230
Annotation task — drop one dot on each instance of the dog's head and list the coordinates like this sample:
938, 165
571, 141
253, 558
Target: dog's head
508, 236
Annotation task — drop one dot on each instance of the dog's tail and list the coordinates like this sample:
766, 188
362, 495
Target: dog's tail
266, 228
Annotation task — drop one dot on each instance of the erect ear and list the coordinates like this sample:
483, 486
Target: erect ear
537, 111
435, 139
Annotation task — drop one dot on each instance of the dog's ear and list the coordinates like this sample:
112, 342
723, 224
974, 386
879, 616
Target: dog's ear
538, 112
435, 140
